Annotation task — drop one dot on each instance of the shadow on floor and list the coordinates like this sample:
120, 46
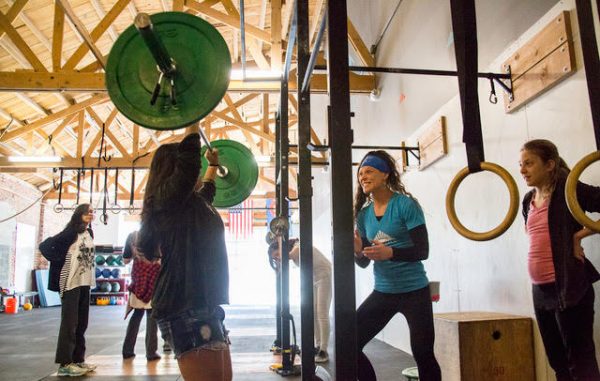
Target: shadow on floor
28, 343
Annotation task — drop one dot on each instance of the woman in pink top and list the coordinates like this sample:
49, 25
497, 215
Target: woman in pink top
562, 277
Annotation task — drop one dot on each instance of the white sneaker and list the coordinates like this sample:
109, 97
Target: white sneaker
71, 370
85, 365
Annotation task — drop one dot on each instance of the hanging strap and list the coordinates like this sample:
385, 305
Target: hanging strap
591, 61
465, 46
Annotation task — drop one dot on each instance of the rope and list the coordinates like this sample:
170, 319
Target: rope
27, 208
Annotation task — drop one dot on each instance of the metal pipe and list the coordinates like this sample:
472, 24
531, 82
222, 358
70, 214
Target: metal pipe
313, 55
290, 47
447, 73
362, 147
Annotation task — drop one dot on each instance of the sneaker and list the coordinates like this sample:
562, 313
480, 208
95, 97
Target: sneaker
321, 357
153, 357
167, 348
85, 365
71, 370
128, 355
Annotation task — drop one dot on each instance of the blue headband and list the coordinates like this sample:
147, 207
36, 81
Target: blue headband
377, 163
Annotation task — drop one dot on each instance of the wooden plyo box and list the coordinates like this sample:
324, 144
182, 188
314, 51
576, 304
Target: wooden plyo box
477, 346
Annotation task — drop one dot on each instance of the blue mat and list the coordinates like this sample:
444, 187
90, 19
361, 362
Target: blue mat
47, 298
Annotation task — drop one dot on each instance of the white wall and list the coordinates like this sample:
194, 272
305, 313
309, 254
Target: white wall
491, 275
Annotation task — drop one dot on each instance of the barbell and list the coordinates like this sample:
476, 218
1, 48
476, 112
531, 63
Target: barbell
168, 71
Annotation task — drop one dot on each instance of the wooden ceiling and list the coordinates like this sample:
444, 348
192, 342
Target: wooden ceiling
53, 100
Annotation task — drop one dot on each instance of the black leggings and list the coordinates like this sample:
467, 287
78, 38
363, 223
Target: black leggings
568, 336
378, 309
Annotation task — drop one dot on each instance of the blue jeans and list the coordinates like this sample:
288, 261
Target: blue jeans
195, 329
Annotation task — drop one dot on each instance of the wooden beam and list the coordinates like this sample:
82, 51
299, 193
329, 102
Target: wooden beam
25, 80
229, 20
178, 5
243, 126
54, 117
13, 12
23, 47
87, 38
253, 47
234, 111
58, 31
359, 46
276, 43
94, 82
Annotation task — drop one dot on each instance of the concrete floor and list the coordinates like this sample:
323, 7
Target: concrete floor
28, 342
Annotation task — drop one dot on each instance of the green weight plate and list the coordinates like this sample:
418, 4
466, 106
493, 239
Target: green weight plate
242, 172
203, 66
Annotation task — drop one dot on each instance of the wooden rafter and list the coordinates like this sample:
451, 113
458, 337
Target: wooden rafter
23, 47
11, 135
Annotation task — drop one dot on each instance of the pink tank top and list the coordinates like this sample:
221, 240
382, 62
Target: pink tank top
541, 267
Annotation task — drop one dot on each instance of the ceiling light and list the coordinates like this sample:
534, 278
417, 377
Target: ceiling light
34, 159
266, 75
263, 158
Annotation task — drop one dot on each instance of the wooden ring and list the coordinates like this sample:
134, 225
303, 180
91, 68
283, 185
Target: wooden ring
571, 192
510, 215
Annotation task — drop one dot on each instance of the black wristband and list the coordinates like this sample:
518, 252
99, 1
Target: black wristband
213, 165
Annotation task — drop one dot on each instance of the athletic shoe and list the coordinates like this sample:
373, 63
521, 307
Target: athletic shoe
128, 355
321, 357
71, 370
153, 357
85, 365
167, 348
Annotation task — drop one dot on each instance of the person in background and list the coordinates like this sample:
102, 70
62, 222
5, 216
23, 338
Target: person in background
561, 275
182, 228
321, 293
391, 232
71, 254
143, 277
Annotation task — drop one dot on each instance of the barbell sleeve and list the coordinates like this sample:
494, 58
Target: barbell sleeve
158, 50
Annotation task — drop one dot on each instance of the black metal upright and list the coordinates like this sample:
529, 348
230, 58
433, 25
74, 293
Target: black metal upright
340, 136
287, 352
305, 195
277, 343
591, 62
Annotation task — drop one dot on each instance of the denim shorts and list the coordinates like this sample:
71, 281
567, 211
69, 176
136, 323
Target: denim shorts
194, 330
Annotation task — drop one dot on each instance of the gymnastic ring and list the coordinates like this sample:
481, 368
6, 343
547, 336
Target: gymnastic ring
571, 192
58, 208
510, 215
115, 209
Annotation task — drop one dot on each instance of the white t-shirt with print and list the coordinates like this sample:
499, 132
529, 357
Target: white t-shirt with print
80, 263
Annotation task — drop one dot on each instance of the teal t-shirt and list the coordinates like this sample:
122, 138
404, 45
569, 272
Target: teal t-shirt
401, 215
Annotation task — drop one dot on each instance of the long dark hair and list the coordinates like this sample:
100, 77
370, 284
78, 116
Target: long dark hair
76, 223
393, 181
546, 151
163, 164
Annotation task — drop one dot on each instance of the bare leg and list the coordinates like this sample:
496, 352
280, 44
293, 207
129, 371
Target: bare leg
206, 365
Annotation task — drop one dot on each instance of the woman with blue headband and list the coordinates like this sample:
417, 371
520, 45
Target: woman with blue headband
391, 232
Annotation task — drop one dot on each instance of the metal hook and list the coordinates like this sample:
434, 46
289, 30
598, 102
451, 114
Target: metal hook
493, 98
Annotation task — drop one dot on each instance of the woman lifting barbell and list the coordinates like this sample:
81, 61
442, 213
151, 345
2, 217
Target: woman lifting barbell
181, 226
